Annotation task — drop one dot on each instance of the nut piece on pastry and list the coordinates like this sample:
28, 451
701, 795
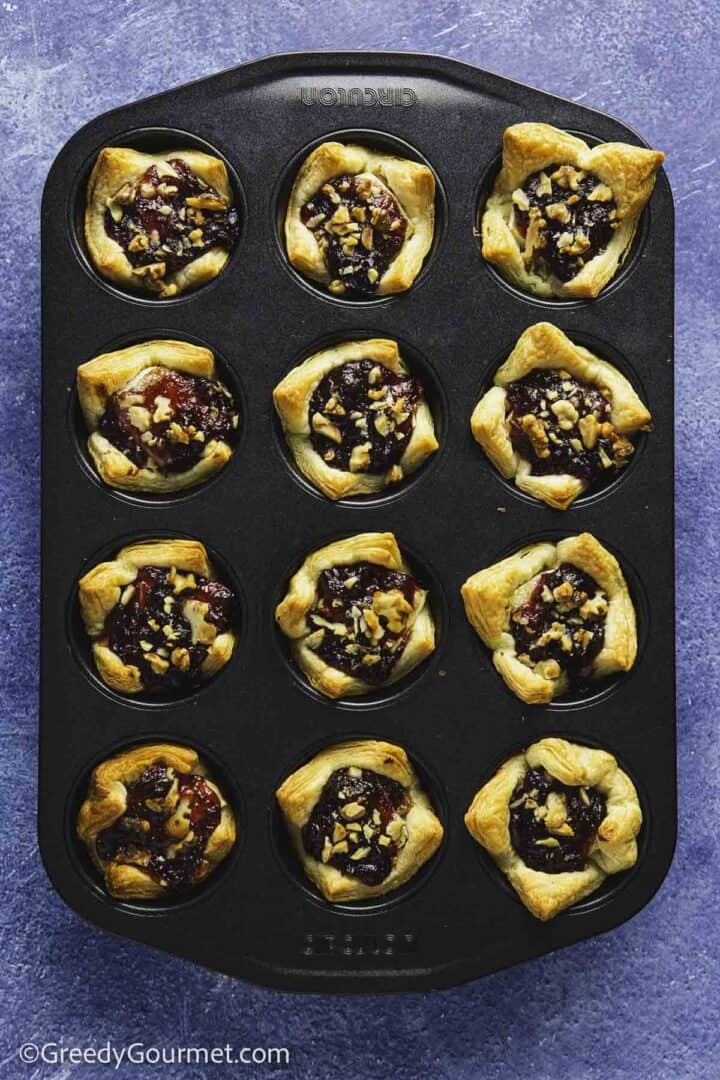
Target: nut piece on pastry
159, 418
359, 820
154, 822
355, 419
357, 618
360, 222
160, 223
562, 216
559, 421
557, 820
557, 617
157, 618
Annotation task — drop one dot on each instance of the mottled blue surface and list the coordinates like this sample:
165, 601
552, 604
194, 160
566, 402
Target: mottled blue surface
640, 1002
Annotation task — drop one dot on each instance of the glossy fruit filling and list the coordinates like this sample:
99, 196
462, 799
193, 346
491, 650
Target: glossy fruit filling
164, 420
169, 818
167, 219
361, 417
563, 426
165, 624
560, 628
552, 826
361, 619
359, 227
358, 824
564, 217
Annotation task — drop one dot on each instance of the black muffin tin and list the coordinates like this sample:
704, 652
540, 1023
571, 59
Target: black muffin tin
258, 917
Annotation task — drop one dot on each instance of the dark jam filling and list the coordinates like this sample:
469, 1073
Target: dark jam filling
552, 826
151, 630
157, 227
359, 228
561, 425
566, 217
562, 622
361, 417
360, 621
357, 824
156, 818
166, 419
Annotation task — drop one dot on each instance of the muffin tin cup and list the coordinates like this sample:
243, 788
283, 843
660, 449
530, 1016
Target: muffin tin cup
382, 142
257, 917
552, 303
79, 433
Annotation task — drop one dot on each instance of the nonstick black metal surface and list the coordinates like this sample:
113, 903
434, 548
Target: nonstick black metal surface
258, 917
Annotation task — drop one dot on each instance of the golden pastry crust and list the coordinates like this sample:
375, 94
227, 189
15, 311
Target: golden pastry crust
101, 589
107, 801
545, 346
100, 378
614, 848
412, 184
299, 793
629, 171
292, 400
491, 595
291, 614
119, 165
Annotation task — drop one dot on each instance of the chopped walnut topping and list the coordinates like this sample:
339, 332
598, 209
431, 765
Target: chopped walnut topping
325, 427
566, 413
561, 425
535, 430
367, 611
561, 217
360, 457
357, 251
557, 629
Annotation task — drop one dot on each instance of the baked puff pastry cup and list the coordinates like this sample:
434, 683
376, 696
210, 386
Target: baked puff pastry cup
360, 222
561, 217
356, 617
558, 419
557, 617
159, 223
158, 619
160, 420
355, 419
557, 819
359, 820
154, 822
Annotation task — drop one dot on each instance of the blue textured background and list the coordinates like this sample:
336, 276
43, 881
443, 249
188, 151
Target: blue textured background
640, 1002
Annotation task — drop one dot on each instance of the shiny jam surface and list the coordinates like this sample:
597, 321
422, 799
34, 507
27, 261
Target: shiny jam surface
361, 619
168, 821
552, 826
361, 417
169, 218
357, 825
565, 217
166, 622
561, 425
359, 228
164, 419
561, 626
